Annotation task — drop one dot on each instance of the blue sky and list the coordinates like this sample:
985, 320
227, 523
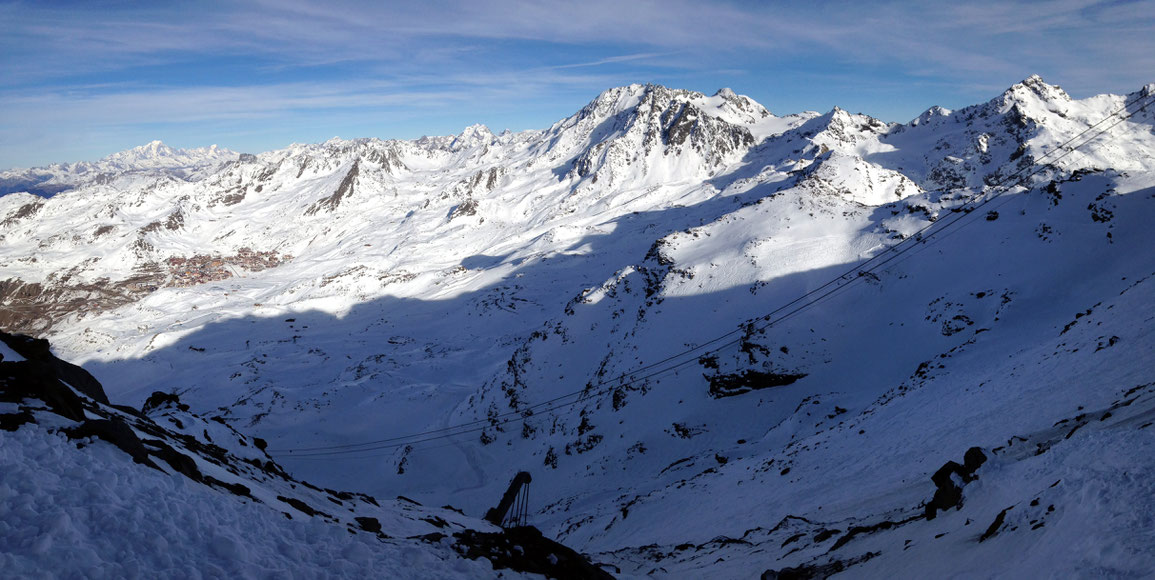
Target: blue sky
80, 80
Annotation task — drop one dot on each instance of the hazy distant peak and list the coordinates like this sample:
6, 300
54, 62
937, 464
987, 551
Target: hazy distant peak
155, 153
473, 135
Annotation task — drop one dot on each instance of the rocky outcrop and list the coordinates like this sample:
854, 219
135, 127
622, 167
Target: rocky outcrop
949, 492
525, 549
728, 385
44, 368
345, 189
627, 126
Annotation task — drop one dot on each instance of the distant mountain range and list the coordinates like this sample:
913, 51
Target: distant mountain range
724, 342
153, 158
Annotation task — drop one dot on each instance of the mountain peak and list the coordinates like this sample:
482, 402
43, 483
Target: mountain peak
930, 114
616, 94
1031, 98
1034, 79
155, 148
1036, 89
151, 150
156, 153
472, 136
475, 132
619, 99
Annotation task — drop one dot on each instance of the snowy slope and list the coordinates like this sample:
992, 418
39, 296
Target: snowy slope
162, 492
586, 302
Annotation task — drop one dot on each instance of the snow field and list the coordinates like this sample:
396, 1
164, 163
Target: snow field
95, 514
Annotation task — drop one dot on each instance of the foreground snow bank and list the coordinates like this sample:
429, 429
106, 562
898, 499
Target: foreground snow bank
95, 514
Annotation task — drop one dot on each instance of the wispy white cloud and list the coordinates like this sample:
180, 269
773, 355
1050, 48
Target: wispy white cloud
959, 38
617, 59
199, 104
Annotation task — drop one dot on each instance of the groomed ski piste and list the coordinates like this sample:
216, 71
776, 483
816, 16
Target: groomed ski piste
723, 342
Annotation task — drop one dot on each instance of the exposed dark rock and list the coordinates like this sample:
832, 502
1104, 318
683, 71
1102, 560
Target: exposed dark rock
370, 525
993, 529
302, 506
524, 549
33, 380
160, 399
343, 190
118, 433
729, 385
869, 529
948, 493
178, 461
825, 534
231, 198
23, 212
465, 208
973, 459
233, 488
809, 571
956, 324
13, 421
793, 539
36, 349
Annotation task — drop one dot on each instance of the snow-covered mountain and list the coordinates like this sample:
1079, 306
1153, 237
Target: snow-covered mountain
723, 341
139, 163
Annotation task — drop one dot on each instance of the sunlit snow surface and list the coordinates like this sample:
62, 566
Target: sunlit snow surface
479, 274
